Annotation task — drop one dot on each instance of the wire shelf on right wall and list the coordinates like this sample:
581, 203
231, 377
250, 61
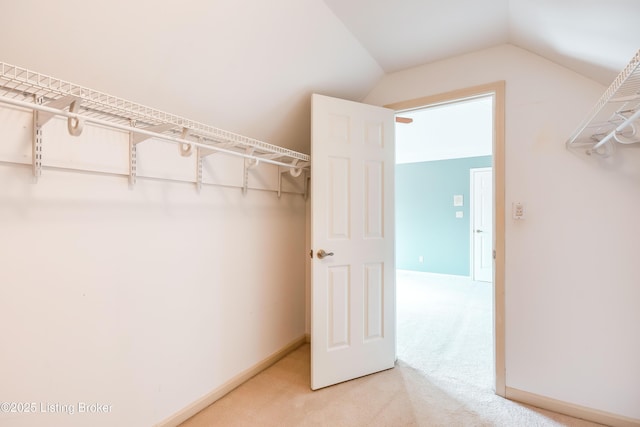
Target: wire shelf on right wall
616, 116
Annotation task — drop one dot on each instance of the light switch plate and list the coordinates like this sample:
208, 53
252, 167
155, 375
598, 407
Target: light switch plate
459, 214
458, 200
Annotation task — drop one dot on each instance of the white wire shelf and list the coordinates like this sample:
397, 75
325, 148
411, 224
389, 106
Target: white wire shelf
25, 86
615, 117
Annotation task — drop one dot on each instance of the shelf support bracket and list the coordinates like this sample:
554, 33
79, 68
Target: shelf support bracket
134, 140
201, 153
60, 104
40, 118
36, 146
248, 164
293, 171
199, 169
307, 184
75, 125
281, 171
186, 149
132, 158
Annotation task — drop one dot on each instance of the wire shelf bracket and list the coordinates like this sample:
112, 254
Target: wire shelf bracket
36, 147
48, 97
615, 117
295, 172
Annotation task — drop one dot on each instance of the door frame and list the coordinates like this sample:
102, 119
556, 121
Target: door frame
472, 216
497, 90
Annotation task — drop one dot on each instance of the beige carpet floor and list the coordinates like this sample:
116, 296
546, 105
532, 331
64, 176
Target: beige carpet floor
443, 376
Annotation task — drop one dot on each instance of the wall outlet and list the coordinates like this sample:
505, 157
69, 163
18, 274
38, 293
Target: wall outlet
518, 210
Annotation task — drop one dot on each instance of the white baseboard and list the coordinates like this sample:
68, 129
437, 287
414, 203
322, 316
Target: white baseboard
577, 411
197, 406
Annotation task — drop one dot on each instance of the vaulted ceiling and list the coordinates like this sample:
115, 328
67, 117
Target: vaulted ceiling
249, 66
593, 37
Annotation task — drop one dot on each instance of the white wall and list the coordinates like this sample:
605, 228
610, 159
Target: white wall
572, 270
143, 299
247, 66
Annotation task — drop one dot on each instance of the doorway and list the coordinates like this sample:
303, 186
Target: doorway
459, 209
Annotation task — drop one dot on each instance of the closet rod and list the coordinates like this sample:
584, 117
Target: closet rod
616, 131
141, 131
67, 169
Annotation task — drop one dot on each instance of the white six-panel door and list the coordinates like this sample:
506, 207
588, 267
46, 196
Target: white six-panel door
482, 226
352, 216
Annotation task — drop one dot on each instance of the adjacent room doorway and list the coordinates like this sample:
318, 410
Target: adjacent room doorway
341, 307
475, 209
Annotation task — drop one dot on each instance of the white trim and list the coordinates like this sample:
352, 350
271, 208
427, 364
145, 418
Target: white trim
216, 394
571, 409
497, 89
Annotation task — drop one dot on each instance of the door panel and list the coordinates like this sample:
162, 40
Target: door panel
374, 193
374, 302
353, 287
338, 307
338, 198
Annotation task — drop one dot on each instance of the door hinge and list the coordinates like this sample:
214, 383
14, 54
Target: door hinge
494, 254
311, 253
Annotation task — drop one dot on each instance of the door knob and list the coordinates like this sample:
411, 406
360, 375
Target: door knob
322, 254
479, 231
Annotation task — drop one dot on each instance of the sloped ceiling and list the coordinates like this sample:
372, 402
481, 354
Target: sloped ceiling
249, 66
404, 33
593, 37
596, 38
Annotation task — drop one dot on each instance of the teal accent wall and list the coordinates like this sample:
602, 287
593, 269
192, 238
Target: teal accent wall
426, 224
